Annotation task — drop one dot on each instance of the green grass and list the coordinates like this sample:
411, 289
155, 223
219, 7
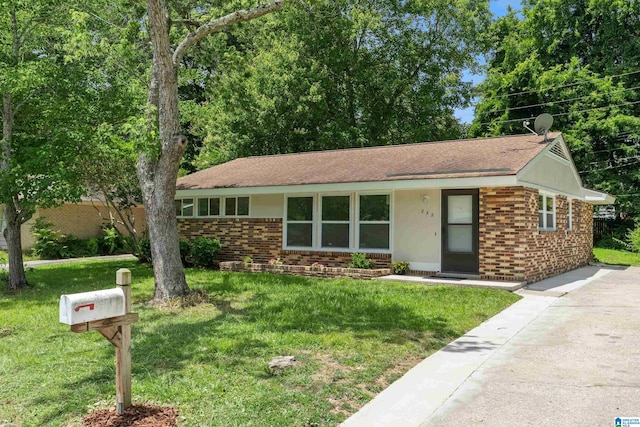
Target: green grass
616, 257
352, 339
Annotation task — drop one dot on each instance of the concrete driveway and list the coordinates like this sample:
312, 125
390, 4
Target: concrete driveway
577, 363
568, 353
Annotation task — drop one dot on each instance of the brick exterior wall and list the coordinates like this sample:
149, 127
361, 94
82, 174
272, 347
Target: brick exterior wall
512, 247
261, 239
83, 220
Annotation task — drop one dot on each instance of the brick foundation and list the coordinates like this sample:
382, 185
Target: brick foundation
261, 239
306, 270
512, 247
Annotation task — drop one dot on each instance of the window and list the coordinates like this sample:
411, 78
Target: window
236, 206
299, 222
546, 212
569, 215
373, 222
209, 207
184, 207
335, 224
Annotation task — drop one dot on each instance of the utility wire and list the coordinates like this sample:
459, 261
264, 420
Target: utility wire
561, 102
566, 85
561, 114
611, 167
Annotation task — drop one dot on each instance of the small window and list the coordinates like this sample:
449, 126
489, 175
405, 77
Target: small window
335, 222
209, 207
236, 206
546, 212
299, 224
184, 207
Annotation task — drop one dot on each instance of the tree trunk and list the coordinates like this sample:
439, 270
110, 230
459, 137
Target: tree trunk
158, 175
12, 235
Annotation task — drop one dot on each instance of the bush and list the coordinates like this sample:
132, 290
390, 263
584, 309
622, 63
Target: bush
634, 239
400, 267
203, 251
46, 245
112, 242
360, 260
185, 252
144, 254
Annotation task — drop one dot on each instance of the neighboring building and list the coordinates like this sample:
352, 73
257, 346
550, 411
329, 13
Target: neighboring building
507, 208
84, 220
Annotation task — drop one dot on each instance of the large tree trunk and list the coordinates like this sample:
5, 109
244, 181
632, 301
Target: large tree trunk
12, 218
158, 175
12, 235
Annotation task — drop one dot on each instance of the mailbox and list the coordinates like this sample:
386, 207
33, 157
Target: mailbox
88, 306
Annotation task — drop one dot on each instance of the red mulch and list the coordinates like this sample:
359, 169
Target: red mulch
141, 415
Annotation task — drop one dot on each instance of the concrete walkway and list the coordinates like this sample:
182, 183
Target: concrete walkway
546, 360
39, 263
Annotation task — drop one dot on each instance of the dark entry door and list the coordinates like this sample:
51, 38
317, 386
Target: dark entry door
460, 231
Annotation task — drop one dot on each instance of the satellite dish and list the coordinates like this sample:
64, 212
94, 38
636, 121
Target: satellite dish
542, 124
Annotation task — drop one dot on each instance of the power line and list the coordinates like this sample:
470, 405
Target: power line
611, 167
561, 114
566, 85
563, 101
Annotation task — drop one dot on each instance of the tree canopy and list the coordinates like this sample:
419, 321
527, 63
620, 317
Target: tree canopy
575, 60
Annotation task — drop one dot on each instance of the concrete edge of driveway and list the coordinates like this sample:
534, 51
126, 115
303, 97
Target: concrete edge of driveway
39, 263
412, 399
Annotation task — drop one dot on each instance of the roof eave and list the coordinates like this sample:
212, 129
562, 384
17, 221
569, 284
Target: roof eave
598, 197
464, 182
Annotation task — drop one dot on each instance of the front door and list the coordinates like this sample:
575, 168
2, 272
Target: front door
460, 231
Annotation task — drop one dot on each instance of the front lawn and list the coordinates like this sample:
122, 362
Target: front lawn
616, 257
352, 339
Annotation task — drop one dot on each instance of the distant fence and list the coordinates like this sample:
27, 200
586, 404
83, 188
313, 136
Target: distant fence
602, 227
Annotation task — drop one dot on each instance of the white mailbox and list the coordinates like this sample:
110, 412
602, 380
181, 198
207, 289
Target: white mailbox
88, 306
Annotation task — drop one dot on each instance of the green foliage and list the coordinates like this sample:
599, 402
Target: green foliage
634, 239
204, 250
360, 260
46, 244
185, 252
332, 75
144, 255
111, 241
247, 259
50, 244
616, 257
400, 267
570, 59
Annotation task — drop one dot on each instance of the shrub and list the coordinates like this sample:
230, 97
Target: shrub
46, 245
400, 267
92, 246
247, 260
203, 251
360, 260
111, 242
185, 252
144, 254
634, 239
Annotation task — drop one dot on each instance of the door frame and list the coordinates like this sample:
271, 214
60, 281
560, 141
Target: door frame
451, 262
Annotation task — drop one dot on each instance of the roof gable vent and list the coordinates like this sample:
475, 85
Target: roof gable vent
558, 151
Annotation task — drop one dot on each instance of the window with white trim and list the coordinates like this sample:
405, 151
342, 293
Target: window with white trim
335, 224
208, 206
374, 221
184, 207
546, 212
236, 206
569, 214
299, 222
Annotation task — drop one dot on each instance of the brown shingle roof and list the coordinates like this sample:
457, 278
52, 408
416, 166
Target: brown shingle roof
446, 159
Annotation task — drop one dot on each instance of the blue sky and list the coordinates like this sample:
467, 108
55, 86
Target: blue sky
499, 8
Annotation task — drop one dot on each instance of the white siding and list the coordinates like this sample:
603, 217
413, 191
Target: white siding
267, 205
416, 228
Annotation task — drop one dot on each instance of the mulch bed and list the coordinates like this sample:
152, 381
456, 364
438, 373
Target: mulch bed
141, 415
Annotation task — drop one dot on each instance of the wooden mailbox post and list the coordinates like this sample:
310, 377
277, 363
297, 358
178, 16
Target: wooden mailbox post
116, 329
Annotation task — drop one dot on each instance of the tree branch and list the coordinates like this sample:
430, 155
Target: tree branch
221, 23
